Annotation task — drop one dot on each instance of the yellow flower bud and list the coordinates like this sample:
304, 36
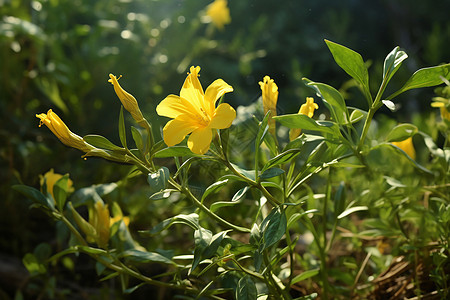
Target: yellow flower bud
128, 101
101, 222
62, 132
306, 109
270, 97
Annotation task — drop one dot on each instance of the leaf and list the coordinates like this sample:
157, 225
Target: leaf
352, 63
175, 151
122, 132
425, 77
352, 210
282, 158
304, 275
389, 104
214, 244
357, 115
158, 181
273, 227
34, 195
393, 62
339, 199
331, 96
60, 191
137, 137
401, 132
202, 238
213, 188
240, 194
32, 264
145, 257
246, 289
306, 123
191, 220
262, 130
272, 172
99, 141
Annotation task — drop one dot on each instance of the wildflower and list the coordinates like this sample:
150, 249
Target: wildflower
126, 220
100, 220
407, 146
62, 132
128, 101
194, 112
270, 97
51, 178
306, 109
219, 13
441, 103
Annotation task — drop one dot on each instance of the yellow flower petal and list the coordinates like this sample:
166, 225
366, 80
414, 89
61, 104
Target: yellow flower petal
192, 89
214, 91
219, 13
223, 117
407, 146
176, 130
199, 140
174, 106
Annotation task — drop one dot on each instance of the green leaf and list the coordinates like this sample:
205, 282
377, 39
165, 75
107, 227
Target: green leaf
282, 158
214, 244
138, 139
262, 130
352, 210
240, 194
272, 172
60, 191
164, 194
246, 289
145, 257
191, 220
273, 227
158, 181
202, 238
352, 63
219, 204
401, 132
304, 275
174, 151
216, 186
306, 123
392, 63
99, 141
294, 218
32, 264
389, 104
34, 195
122, 132
357, 115
331, 96
425, 77
339, 199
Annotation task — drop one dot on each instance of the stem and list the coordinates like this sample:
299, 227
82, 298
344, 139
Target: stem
247, 271
269, 275
205, 209
74, 230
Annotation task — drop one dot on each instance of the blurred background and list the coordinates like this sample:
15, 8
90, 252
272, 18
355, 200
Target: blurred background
58, 54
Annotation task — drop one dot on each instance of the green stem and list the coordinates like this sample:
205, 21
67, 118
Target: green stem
205, 209
75, 232
247, 271
269, 278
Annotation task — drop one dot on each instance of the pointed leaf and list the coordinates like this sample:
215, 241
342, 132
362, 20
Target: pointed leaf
191, 220
246, 289
306, 123
122, 132
352, 210
60, 191
175, 151
34, 195
240, 194
401, 132
138, 139
216, 186
393, 62
272, 172
99, 141
304, 275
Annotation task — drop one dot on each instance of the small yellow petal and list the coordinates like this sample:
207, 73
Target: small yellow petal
199, 140
223, 117
176, 130
407, 146
192, 89
214, 91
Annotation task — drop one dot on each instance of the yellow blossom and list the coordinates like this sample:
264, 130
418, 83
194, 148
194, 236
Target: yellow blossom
441, 103
126, 220
195, 112
62, 132
51, 178
128, 101
219, 13
407, 146
100, 220
306, 109
270, 97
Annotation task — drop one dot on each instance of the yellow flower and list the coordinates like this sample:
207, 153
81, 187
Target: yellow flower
219, 13
128, 101
441, 103
100, 220
195, 112
126, 220
51, 178
407, 146
306, 109
62, 132
270, 97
